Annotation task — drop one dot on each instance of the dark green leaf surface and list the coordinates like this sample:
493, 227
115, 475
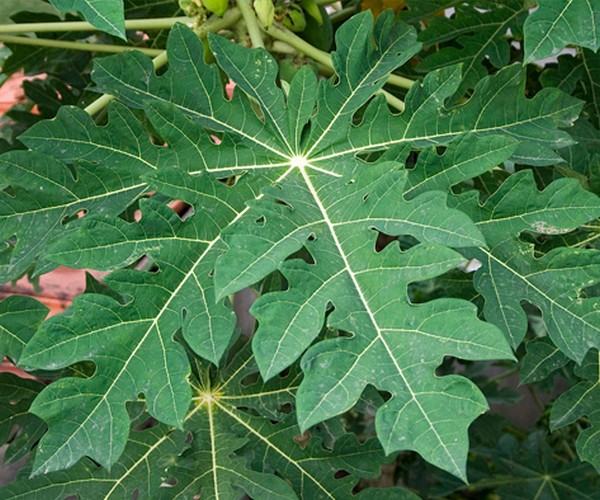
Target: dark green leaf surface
479, 37
511, 273
543, 358
22, 428
582, 400
19, 319
236, 450
140, 470
106, 15
558, 23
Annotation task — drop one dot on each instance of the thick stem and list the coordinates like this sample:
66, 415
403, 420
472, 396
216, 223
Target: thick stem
62, 44
251, 23
285, 35
131, 24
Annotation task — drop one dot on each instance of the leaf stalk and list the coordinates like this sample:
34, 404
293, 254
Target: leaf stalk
284, 35
63, 44
68, 26
251, 23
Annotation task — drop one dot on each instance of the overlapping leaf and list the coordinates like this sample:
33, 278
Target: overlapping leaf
511, 273
19, 428
106, 15
105, 178
19, 318
234, 449
543, 358
582, 400
477, 37
140, 470
558, 23
121, 338
529, 469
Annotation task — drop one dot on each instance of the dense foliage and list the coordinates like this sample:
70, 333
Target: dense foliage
411, 195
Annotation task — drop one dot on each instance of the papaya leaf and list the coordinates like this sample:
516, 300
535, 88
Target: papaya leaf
511, 273
235, 449
477, 37
140, 470
543, 358
558, 23
582, 400
106, 15
19, 318
269, 173
19, 428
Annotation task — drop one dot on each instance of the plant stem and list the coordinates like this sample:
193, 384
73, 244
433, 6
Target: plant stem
392, 100
62, 44
251, 23
285, 35
131, 24
231, 17
158, 62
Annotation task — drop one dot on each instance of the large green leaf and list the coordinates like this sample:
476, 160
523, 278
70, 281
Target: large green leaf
557, 23
293, 158
120, 338
106, 15
553, 282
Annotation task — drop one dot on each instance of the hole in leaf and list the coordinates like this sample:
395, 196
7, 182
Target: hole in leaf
383, 240
341, 474
302, 254
260, 221
385, 395
440, 150
286, 408
284, 373
250, 379
285, 203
